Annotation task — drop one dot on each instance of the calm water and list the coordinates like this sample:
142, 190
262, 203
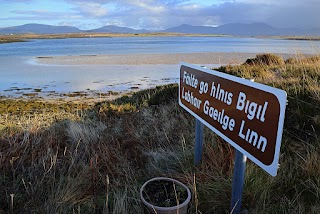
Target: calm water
119, 45
19, 75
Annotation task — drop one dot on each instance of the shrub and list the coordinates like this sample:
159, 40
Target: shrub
265, 59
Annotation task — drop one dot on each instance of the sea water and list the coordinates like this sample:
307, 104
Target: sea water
20, 74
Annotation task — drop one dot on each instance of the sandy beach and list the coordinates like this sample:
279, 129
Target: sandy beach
147, 59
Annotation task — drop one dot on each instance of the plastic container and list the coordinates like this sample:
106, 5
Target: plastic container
179, 209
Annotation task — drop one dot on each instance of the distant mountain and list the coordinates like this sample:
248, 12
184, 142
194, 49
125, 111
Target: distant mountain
238, 29
39, 29
116, 29
49, 29
191, 29
254, 29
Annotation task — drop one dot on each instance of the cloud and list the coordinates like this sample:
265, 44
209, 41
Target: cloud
161, 14
279, 13
91, 9
151, 8
171, 13
167, 13
19, 1
36, 15
154, 15
37, 12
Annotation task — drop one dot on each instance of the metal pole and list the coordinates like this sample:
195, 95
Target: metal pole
238, 181
199, 142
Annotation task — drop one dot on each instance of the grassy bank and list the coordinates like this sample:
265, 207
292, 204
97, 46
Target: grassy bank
93, 159
26, 37
5, 39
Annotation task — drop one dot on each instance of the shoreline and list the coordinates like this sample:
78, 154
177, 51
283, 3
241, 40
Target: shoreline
150, 59
85, 96
25, 37
72, 97
123, 60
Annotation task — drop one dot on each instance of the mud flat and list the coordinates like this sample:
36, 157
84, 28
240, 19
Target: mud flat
145, 59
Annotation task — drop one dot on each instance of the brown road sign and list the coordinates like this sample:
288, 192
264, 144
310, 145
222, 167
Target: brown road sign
246, 114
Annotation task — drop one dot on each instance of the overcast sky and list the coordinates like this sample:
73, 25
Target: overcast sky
159, 14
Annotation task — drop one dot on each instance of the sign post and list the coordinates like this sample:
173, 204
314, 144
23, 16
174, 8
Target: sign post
238, 181
199, 143
246, 114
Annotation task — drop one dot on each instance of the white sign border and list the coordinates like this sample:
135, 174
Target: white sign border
282, 99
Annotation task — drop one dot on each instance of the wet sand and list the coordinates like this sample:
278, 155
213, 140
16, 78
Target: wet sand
147, 59
110, 76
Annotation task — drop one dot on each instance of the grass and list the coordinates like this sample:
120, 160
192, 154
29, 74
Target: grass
63, 158
9, 40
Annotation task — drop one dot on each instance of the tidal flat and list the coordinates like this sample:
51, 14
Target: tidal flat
22, 76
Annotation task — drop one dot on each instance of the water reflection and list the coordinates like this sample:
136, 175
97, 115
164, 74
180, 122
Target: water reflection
20, 76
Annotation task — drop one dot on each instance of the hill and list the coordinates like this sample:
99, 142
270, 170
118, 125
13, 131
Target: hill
49, 29
39, 29
239, 29
116, 29
235, 29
